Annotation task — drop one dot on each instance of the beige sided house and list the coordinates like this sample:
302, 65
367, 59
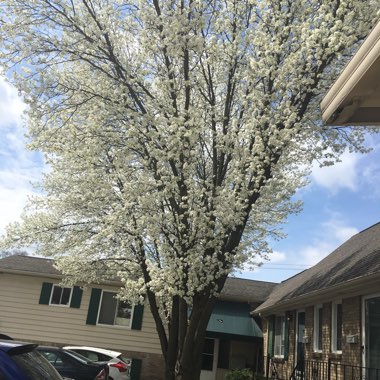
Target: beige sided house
34, 307
324, 323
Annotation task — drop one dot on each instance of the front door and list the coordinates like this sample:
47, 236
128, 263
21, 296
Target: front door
372, 332
210, 359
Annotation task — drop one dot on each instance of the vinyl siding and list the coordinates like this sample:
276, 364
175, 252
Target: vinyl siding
23, 318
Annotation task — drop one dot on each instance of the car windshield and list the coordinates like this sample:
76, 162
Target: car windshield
35, 366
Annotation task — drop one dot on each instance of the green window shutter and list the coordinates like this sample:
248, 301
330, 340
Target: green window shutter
286, 337
138, 312
136, 369
93, 307
45, 293
270, 322
76, 297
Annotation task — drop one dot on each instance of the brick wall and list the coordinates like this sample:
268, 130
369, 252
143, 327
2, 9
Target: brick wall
292, 335
351, 311
326, 331
152, 366
309, 329
351, 352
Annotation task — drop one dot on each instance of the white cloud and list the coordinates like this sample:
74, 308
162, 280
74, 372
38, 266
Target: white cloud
371, 176
370, 173
277, 257
249, 271
328, 236
331, 234
11, 105
338, 230
18, 167
12, 203
342, 175
355, 171
314, 253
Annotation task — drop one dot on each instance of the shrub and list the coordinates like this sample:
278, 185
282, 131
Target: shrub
240, 374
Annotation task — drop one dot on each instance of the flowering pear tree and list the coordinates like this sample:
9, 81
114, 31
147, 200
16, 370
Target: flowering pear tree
176, 133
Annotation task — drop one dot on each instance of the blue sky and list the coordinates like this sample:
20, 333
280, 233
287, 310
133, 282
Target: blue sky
339, 201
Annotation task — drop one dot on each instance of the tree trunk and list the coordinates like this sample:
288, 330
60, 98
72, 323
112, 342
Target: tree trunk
182, 340
188, 361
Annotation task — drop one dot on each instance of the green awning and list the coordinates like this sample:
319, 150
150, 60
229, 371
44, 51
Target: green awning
232, 320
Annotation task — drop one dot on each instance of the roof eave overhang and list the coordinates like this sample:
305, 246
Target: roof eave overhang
353, 99
349, 288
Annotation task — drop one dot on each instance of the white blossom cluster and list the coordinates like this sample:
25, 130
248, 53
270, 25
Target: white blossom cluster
176, 131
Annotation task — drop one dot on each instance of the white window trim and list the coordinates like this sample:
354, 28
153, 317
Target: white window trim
316, 328
334, 340
63, 287
282, 335
113, 326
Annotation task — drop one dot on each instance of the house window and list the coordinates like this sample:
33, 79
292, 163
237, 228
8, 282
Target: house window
318, 328
114, 312
279, 336
336, 328
60, 296
208, 355
56, 295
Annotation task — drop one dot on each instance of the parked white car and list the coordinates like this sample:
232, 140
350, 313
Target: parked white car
119, 365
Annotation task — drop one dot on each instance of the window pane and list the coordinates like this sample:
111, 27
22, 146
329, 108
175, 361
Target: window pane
107, 309
123, 314
318, 326
208, 347
60, 296
50, 356
339, 327
279, 336
103, 358
224, 354
207, 362
208, 355
320, 329
65, 296
56, 297
90, 355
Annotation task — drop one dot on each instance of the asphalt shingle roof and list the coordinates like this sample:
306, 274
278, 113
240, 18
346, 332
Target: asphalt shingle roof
357, 258
28, 264
248, 290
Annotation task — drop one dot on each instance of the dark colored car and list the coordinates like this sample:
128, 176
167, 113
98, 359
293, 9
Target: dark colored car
72, 365
21, 361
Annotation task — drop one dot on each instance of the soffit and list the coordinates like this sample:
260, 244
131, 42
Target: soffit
354, 99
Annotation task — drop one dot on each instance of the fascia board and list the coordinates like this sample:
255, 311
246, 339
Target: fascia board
351, 75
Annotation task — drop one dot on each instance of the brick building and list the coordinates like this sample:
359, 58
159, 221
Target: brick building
328, 317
